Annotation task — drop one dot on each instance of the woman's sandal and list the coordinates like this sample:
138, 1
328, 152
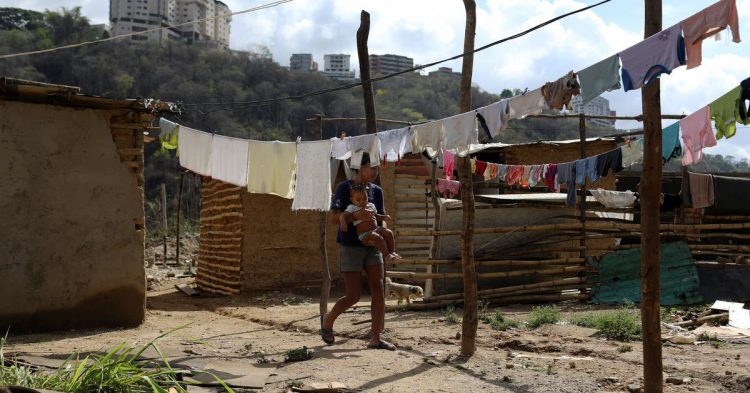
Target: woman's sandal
382, 344
326, 333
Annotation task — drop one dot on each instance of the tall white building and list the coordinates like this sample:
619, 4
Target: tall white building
128, 16
336, 66
598, 107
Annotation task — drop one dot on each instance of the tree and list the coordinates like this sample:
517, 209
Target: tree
69, 26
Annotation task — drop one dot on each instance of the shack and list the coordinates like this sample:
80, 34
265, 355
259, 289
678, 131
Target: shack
71, 198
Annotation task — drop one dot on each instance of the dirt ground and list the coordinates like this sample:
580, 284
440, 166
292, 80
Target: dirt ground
561, 358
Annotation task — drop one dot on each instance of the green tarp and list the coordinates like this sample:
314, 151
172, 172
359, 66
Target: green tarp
619, 277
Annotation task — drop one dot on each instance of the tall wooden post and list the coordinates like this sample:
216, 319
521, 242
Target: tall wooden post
325, 288
164, 219
179, 213
582, 204
363, 33
650, 200
470, 318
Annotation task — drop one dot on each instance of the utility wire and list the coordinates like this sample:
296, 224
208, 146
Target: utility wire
242, 104
258, 8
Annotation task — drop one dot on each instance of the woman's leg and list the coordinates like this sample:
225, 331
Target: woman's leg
353, 286
375, 276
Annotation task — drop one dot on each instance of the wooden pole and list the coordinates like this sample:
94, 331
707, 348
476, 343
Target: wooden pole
325, 288
179, 213
435, 225
650, 200
470, 316
363, 33
164, 219
582, 205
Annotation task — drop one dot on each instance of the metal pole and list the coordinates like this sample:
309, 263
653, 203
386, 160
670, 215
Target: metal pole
650, 200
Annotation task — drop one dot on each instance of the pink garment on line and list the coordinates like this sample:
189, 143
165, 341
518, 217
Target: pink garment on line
448, 187
515, 172
449, 162
706, 23
696, 135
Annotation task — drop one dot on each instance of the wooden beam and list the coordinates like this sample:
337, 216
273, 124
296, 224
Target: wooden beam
650, 200
363, 33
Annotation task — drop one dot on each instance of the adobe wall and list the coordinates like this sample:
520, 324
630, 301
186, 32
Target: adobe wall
72, 219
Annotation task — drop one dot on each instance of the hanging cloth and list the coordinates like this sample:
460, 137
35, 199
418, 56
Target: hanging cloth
701, 190
632, 152
448, 187
340, 148
535, 175
460, 131
590, 167
525, 176
271, 167
169, 134
531, 103
742, 109
449, 162
393, 144
558, 94
614, 199
550, 177
427, 135
646, 60
706, 23
479, 168
495, 116
696, 135
514, 174
369, 143
229, 160
565, 175
312, 189
600, 77
195, 150
670, 142
724, 112
609, 160
502, 171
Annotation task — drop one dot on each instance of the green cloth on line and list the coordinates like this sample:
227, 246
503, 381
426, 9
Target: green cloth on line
724, 112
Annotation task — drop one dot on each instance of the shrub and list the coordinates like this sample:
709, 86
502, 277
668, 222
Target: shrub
543, 315
622, 324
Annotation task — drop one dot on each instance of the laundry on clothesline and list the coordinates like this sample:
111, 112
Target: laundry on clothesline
646, 60
229, 160
701, 190
724, 112
195, 150
359, 144
271, 168
394, 144
447, 187
670, 142
632, 152
696, 135
599, 78
313, 179
459, 132
529, 103
558, 94
168, 134
706, 23
614, 199
742, 106
495, 116
427, 136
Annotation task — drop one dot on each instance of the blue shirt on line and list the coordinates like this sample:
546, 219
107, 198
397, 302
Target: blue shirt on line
342, 199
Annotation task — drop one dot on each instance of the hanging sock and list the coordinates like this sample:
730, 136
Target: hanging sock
706, 23
696, 135
646, 60
670, 142
599, 78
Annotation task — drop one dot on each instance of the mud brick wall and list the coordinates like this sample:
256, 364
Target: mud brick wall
71, 202
221, 231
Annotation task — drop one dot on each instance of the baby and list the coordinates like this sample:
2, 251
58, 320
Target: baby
370, 234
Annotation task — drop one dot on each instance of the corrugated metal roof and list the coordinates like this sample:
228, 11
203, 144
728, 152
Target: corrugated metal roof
619, 280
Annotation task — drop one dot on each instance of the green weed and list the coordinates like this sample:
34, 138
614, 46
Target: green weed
498, 321
622, 324
298, 355
450, 315
543, 315
625, 348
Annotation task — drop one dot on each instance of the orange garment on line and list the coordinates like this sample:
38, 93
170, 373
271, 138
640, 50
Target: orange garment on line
706, 23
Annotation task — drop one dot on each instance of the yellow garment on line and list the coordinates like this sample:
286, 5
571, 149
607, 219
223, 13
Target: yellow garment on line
271, 168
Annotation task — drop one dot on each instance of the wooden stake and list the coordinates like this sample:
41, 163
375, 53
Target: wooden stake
435, 225
470, 319
650, 190
164, 219
179, 213
363, 33
325, 287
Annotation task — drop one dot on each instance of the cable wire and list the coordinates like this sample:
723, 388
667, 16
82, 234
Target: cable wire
258, 8
243, 104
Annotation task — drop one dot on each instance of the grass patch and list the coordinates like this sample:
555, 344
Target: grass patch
450, 315
298, 355
625, 348
543, 315
119, 370
711, 339
622, 324
498, 321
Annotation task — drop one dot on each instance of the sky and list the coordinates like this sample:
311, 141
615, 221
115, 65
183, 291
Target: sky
430, 30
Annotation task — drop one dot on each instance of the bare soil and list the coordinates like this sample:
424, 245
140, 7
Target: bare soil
559, 358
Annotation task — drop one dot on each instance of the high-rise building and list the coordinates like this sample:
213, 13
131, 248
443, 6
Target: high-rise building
389, 64
128, 16
336, 66
598, 107
301, 62
445, 71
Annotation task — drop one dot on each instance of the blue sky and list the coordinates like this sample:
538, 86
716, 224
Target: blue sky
428, 30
